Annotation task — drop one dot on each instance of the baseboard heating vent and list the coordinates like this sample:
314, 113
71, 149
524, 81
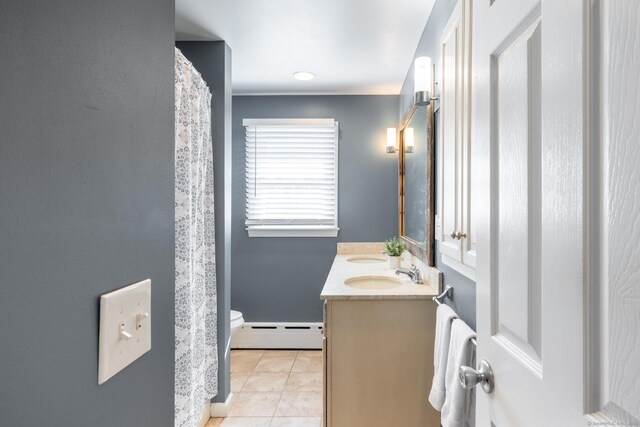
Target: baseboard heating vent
278, 335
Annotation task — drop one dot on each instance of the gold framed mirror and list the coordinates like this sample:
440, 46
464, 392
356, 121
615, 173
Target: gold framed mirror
416, 182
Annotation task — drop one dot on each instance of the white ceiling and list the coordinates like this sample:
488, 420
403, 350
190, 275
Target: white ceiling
352, 46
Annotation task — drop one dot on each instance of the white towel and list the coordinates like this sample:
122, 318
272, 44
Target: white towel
460, 353
444, 316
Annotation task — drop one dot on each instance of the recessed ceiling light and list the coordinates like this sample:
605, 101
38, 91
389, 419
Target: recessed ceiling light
303, 75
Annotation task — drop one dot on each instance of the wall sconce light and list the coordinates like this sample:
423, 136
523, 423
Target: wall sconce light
392, 138
423, 80
407, 136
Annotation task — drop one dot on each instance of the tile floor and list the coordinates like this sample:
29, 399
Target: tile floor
274, 388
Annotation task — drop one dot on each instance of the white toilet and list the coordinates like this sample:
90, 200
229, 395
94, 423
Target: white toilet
236, 321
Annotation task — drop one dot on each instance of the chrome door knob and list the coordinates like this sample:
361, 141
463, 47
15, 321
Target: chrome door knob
460, 235
469, 377
453, 234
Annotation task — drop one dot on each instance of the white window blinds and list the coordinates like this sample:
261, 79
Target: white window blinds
291, 177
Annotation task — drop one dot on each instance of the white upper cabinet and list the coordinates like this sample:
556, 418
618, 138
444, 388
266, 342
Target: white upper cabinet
457, 239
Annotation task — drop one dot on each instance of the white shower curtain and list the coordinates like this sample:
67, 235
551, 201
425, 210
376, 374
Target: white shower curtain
196, 357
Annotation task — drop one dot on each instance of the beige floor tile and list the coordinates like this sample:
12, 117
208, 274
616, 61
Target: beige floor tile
307, 364
266, 381
296, 422
246, 422
214, 422
300, 403
244, 364
280, 353
237, 380
254, 404
311, 353
275, 364
247, 353
299, 381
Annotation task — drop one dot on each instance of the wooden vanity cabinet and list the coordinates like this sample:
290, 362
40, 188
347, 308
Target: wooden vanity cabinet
378, 362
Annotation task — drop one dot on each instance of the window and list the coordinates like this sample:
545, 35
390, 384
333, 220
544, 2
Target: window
291, 177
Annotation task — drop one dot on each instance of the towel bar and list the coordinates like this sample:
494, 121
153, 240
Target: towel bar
448, 293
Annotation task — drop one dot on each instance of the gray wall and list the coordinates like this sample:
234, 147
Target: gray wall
86, 183
464, 301
213, 61
280, 279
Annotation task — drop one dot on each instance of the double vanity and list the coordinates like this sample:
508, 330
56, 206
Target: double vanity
379, 327
378, 341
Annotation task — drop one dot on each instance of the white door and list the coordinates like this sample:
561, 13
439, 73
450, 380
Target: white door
558, 289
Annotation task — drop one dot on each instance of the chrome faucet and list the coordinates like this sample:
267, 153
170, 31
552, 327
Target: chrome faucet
414, 274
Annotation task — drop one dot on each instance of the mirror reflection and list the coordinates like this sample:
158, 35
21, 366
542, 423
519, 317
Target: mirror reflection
415, 177
417, 182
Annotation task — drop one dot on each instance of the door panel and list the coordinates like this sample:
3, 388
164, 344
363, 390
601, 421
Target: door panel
517, 288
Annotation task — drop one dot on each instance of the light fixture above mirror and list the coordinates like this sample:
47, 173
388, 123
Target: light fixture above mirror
423, 80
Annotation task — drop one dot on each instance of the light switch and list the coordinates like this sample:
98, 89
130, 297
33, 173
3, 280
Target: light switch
125, 328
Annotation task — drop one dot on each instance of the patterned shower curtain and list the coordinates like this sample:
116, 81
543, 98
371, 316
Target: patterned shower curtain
196, 360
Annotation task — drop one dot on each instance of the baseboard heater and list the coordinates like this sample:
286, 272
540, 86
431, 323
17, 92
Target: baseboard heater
278, 335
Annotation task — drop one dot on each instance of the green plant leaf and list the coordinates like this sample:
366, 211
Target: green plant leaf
394, 246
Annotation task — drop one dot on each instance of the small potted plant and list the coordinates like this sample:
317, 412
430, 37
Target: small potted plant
394, 248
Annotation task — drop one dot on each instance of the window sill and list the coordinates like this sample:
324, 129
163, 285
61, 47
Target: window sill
292, 231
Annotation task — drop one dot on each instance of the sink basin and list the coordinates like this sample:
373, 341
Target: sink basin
364, 260
373, 282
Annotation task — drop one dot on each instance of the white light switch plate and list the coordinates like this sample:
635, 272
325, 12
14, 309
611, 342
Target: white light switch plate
125, 328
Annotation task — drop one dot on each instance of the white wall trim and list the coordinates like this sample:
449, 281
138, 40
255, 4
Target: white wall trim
221, 409
292, 231
279, 335
206, 413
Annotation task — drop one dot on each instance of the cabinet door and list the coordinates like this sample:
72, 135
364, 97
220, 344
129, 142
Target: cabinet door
458, 247
450, 137
468, 242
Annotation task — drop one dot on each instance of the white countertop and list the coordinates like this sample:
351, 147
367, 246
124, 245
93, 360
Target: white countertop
341, 270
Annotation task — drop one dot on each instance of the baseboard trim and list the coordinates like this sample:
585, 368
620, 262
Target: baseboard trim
206, 413
221, 409
305, 335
